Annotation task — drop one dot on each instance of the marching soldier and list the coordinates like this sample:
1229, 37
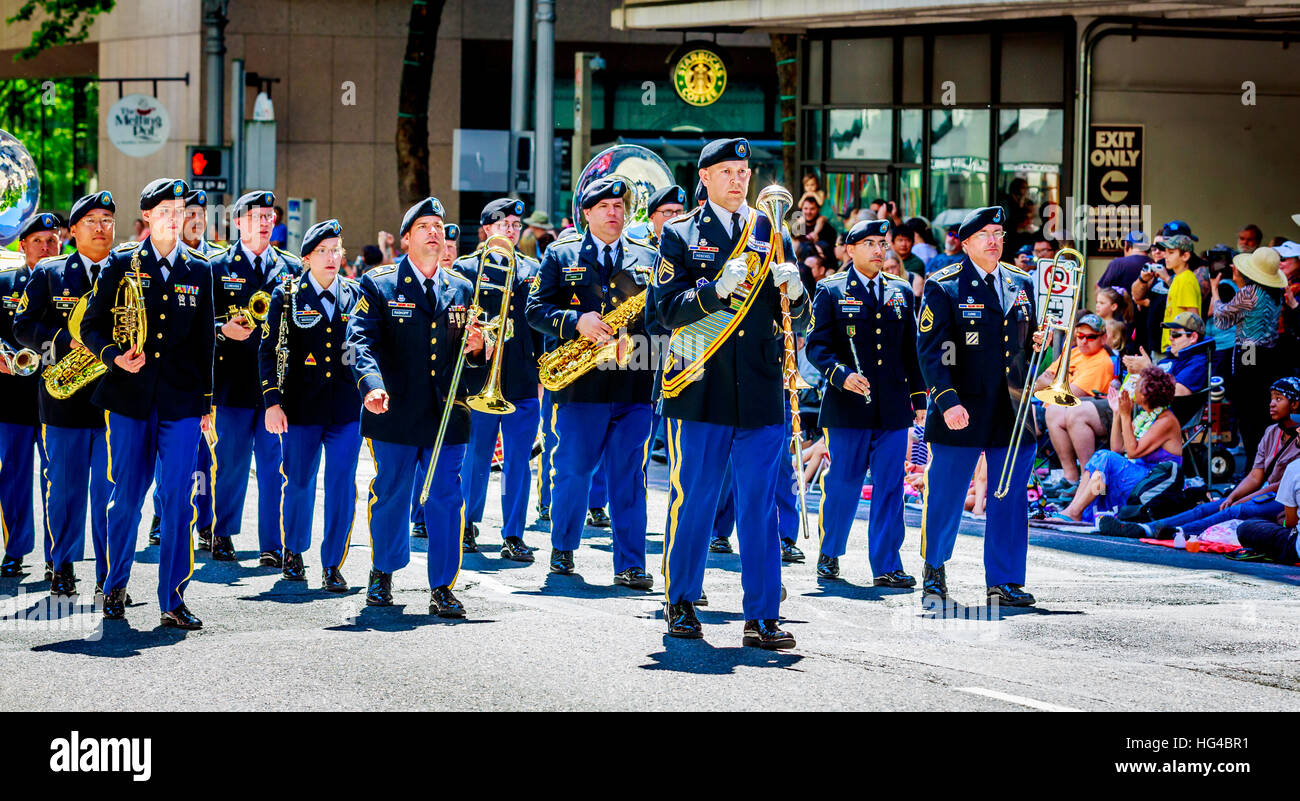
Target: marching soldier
19, 418
518, 429
976, 332
312, 403
157, 396
246, 267
405, 333
723, 393
604, 416
864, 342
596, 498
72, 428
196, 224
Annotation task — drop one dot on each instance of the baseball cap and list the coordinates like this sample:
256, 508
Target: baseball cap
1179, 242
1288, 250
1176, 228
1093, 321
1137, 240
1189, 321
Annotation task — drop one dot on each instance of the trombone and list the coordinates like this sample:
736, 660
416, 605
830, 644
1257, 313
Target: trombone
23, 362
1058, 394
497, 330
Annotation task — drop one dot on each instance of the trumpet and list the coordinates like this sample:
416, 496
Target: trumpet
256, 310
1058, 394
23, 362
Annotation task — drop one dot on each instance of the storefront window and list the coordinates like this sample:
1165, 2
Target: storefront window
909, 192
740, 109
812, 135
911, 136
1030, 155
862, 71
866, 134
959, 163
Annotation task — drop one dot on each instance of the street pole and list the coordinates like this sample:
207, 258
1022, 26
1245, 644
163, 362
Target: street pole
214, 50
519, 57
581, 150
236, 130
545, 114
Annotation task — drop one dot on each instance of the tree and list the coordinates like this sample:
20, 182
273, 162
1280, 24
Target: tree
413, 101
67, 22
783, 50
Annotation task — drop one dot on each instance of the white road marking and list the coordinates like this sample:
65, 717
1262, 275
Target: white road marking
1015, 699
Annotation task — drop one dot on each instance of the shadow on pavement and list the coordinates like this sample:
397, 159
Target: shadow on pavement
857, 592
699, 657
395, 618
118, 639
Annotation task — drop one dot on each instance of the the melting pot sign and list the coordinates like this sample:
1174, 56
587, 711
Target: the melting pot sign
138, 125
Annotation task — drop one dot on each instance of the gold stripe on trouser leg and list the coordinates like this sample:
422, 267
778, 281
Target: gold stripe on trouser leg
925, 495
212, 474
675, 484
370, 505
284, 485
108, 468
49, 532
189, 537
821, 502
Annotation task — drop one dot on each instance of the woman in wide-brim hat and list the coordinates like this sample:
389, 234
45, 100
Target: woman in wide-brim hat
1256, 361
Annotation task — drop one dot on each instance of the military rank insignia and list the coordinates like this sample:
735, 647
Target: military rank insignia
927, 319
362, 306
665, 273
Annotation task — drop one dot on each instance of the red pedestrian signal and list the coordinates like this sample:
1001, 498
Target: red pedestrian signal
199, 164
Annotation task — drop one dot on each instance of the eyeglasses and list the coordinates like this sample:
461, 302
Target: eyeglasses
1177, 334
511, 226
984, 236
1086, 337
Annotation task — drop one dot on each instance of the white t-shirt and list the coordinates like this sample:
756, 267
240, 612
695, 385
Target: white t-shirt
1288, 491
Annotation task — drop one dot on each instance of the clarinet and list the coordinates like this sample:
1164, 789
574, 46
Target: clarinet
282, 340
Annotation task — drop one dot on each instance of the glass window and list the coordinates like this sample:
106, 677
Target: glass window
959, 163
812, 73
742, 108
861, 134
872, 186
913, 69
1033, 68
862, 71
909, 192
911, 135
812, 135
962, 62
1030, 145
564, 104
59, 135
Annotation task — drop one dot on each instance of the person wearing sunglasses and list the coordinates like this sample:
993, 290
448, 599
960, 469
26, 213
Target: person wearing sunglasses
1091, 371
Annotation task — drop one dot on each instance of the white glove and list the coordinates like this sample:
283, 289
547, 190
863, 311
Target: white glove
786, 276
733, 274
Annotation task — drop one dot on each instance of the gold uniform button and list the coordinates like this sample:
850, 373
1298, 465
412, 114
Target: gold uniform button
327, 373
327, 358
879, 362
878, 346
157, 355
1006, 339
329, 344
433, 372
160, 336
742, 333
1008, 354
877, 330
433, 358
221, 358
162, 317
877, 315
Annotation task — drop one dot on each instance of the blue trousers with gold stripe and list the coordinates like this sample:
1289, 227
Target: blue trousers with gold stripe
518, 431
787, 503
594, 435
1006, 527
444, 512
135, 449
852, 452
697, 455
241, 435
302, 446
599, 494
203, 495
17, 512
78, 470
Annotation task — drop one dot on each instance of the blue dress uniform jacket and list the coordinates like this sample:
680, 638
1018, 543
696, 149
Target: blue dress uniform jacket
176, 380
19, 392
569, 284
234, 280
741, 385
519, 362
884, 336
404, 345
318, 387
56, 286
972, 354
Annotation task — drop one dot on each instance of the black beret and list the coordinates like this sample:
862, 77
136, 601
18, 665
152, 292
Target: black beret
720, 150
429, 207
196, 197
319, 233
87, 204
45, 221
500, 209
865, 229
261, 199
451, 232
611, 186
978, 218
669, 194
701, 193
161, 189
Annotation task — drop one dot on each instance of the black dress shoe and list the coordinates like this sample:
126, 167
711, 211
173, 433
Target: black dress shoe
514, 549
704, 599
562, 562
264, 559
934, 586
205, 539
896, 579
331, 580
99, 592
115, 604
1112, 526
469, 540
443, 604
419, 531
544, 513
182, 618
293, 569
223, 550
11, 567
828, 567
636, 578
380, 590
64, 583
790, 552
720, 545
682, 621
1010, 595
596, 517
767, 634
49, 571
155, 530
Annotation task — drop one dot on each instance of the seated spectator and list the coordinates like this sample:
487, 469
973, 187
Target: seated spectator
1274, 541
1249, 237
951, 252
1144, 434
1119, 344
1124, 270
1112, 304
1255, 497
901, 241
1091, 371
1090, 366
1025, 258
1188, 356
817, 229
842, 255
1044, 248
811, 271
1290, 266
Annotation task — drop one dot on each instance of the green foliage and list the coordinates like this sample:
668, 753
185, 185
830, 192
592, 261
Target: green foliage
67, 22
56, 119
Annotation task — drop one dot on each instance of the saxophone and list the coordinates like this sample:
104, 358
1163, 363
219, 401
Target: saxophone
79, 367
577, 357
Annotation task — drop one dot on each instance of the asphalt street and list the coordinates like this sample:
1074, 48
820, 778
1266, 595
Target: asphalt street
1119, 626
